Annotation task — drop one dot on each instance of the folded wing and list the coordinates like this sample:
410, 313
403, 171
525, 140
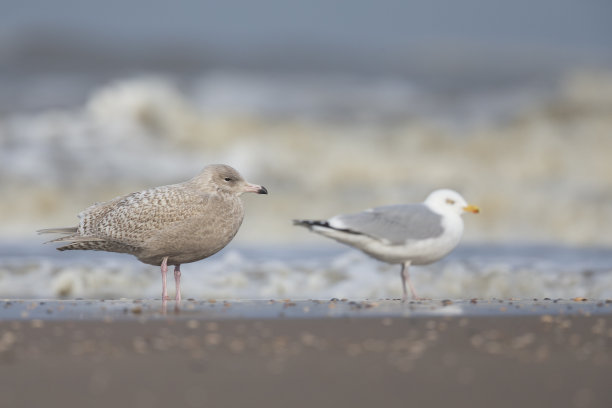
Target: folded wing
394, 224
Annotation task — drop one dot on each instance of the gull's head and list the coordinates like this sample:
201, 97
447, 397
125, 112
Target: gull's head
449, 201
222, 177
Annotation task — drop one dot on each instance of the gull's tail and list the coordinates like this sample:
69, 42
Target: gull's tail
311, 223
68, 234
76, 241
323, 226
67, 230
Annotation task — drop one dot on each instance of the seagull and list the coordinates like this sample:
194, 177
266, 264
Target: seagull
167, 225
406, 234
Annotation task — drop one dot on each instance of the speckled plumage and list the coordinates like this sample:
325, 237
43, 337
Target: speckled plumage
182, 222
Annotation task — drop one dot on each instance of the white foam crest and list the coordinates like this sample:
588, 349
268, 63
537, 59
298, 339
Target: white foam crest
233, 275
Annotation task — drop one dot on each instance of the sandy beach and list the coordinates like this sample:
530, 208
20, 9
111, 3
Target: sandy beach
464, 353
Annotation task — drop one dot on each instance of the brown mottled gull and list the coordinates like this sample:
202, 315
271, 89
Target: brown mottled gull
168, 225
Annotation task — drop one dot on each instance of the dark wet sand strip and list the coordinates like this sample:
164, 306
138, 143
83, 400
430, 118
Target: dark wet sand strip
459, 361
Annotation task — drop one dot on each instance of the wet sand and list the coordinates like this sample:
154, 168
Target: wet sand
461, 353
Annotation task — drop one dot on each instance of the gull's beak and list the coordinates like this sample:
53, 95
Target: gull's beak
254, 188
471, 208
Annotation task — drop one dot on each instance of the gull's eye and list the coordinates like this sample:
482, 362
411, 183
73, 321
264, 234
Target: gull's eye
228, 179
449, 201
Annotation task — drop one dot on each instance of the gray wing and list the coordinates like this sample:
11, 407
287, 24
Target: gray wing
395, 223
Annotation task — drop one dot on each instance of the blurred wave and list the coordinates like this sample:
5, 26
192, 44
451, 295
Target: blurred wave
296, 273
535, 160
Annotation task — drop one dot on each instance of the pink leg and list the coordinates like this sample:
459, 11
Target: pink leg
406, 278
164, 271
177, 281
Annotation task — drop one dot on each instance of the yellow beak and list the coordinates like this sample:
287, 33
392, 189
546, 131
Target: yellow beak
472, 208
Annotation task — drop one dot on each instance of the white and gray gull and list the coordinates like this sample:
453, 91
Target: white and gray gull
168, 225
406, 234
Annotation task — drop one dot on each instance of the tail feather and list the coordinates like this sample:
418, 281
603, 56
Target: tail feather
67, 230
83, 242
75, 238
70, 234
311, 223
324, 224
84, 245
100, 245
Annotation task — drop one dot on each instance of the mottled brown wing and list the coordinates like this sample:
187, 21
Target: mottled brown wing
133, 219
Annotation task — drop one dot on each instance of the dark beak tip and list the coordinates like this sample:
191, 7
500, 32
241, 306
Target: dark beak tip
262, 190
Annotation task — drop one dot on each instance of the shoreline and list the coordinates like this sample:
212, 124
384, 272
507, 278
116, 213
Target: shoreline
204, 358
207, 310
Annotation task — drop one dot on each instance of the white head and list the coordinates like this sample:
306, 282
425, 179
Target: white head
445, 201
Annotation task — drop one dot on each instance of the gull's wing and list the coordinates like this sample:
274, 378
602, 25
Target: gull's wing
395, 224
134, 218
